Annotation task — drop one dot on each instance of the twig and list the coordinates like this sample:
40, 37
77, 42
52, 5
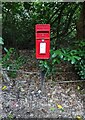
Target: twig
69, 81
5, 76
38, 73
20, 71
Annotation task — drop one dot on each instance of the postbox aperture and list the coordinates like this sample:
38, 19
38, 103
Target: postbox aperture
42, 41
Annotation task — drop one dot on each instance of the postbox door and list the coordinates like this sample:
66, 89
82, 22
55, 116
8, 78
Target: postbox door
42, 49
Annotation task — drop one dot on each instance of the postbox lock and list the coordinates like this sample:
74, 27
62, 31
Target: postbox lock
42, 39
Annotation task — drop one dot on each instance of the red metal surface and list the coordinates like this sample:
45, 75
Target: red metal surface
42, 27
42, 36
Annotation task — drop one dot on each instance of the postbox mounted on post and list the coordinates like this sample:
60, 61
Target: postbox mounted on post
42, 41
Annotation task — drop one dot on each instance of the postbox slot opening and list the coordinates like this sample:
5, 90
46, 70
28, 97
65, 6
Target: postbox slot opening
42, 31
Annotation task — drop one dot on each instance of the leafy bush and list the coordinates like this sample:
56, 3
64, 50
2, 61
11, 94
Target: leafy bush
80, 66
48, 66
12, 62
76, 57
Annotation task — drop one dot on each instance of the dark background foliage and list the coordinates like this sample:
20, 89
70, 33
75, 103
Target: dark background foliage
19, 20
67, 22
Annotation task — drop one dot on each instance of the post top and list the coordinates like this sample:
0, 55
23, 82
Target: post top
42, 27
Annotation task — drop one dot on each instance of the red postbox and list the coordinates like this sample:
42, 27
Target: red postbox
42, 41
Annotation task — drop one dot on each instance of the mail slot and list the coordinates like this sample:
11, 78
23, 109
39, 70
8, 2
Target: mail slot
42, 32
40, 35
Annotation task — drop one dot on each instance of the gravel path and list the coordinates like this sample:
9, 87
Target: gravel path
24, 98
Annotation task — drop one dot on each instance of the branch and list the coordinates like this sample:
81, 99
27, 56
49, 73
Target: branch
62, 8
69, 21
5, 76
54, 13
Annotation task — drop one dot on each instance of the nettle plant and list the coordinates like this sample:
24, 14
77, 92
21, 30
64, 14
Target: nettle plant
75, 57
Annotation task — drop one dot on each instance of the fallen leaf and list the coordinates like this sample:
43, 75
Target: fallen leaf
78, 87
22, 90
52, 108
78, 117
4, 87
60, 107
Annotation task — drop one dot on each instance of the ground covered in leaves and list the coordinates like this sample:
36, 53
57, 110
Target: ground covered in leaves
25, 96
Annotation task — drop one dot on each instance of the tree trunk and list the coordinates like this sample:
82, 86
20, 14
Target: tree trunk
81, 24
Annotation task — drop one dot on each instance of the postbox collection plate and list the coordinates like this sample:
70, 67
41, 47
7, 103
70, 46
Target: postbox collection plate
42, 35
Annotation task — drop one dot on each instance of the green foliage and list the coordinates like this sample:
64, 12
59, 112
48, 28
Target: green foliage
10, 117
11, 61
80, 66
49, 66
19, 20
76, 57
19, 24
